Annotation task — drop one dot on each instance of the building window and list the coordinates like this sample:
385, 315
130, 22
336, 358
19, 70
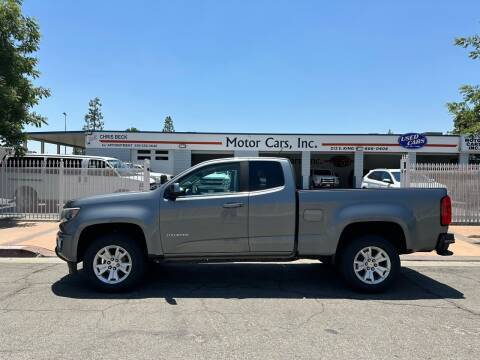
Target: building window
143, 152
161, 157
143, 157
161, 152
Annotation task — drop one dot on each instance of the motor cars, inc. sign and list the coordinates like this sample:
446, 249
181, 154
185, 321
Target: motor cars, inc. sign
472, 143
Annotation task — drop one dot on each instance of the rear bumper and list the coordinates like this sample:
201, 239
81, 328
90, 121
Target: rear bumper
443, 242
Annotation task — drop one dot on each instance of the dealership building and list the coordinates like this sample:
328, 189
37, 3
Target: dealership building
350, 156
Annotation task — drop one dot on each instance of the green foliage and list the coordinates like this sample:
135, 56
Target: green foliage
466, 114
132, 129
19, 40
168, 125
94, 117
470, 42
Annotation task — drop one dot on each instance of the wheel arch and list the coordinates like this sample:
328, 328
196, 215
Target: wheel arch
89, 233
389, 230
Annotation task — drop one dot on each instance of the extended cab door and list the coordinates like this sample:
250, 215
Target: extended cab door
272, 205
211, 216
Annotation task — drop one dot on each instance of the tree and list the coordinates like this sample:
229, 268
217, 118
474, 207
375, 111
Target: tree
93, 119
470, 42
466, 114
132, 129
168, 125
19, 40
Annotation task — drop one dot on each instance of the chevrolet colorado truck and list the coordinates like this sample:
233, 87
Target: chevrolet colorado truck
251, 212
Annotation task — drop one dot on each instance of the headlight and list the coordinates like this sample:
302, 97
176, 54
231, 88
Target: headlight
69, 213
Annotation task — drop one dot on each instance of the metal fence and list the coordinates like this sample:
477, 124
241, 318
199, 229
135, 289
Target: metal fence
461, 181
35, 189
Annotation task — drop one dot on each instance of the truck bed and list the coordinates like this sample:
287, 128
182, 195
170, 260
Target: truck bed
323, 214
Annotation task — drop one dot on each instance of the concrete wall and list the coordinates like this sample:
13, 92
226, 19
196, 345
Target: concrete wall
121, 154
182, 160
245, 153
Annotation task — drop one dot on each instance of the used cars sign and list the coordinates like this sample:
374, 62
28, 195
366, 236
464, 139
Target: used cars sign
412, 141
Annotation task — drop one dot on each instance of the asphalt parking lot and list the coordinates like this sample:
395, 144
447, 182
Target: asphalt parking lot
237, 311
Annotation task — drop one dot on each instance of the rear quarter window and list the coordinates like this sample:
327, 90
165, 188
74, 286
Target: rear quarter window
265, 175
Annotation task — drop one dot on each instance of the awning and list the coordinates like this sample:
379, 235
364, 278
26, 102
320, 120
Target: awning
65, 138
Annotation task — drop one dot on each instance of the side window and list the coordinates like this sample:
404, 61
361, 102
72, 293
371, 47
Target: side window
374, 175
99, 168
212, 180
384, 175
265, 175
72, 166
52, 165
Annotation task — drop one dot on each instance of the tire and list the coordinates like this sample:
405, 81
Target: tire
127, 276
376, 279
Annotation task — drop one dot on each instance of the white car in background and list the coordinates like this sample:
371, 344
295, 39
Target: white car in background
381, 178
322, 178
390, 178
34, 182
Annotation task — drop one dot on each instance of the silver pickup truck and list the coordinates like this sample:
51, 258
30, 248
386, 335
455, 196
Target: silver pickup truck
248, 209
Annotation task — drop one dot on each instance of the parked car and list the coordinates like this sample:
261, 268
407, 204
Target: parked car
259, 216
160, 178
381, 178
322, 178
34, 179
385, 178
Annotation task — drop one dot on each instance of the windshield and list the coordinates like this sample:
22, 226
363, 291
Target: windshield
396, 175
117, 164
322, 172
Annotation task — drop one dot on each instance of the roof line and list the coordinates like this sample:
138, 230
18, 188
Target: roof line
226, 133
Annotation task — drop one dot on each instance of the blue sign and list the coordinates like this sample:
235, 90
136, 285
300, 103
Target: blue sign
412, 141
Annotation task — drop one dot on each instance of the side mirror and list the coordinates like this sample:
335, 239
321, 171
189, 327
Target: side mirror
387, 180
174, 191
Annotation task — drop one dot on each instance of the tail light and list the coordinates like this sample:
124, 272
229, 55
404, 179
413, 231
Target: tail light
446, 211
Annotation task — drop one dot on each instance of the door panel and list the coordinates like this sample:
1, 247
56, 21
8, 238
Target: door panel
211, 215
205, 225
272, 221
271, 209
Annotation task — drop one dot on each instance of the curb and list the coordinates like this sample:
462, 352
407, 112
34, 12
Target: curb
25, 251
439, 258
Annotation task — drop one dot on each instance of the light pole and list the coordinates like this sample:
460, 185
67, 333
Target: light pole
65, 117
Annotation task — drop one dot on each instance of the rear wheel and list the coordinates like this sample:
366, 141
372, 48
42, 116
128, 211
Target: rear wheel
370, 264
114, 262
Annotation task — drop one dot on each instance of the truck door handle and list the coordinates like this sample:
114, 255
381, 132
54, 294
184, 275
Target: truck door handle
232, 205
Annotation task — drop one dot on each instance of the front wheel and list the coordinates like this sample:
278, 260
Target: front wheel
114, 262
370, 264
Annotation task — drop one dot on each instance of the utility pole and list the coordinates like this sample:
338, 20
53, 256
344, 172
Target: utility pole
65, 117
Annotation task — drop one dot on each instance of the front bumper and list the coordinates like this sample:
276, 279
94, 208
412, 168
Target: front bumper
443, 242
64, 247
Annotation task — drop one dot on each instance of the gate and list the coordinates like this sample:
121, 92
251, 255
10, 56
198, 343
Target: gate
34, 189
461, 181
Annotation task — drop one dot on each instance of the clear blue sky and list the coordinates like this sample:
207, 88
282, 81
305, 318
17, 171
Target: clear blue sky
256, 66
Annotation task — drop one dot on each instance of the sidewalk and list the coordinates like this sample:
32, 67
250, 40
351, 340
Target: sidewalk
40, 237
